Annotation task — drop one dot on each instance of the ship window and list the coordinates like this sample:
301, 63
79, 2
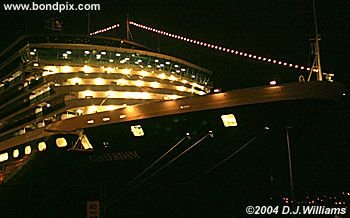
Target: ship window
137, 130
27, 149
61, 142
229, 120
15, 153
4, 157
42, 146
90, 121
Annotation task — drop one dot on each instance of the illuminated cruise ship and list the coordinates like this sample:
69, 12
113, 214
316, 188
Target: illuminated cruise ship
45, 79
103, 121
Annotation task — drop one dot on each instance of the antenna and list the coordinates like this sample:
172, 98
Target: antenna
316, 65
128, 32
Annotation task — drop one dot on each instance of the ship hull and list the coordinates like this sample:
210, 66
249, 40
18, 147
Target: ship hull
214, 171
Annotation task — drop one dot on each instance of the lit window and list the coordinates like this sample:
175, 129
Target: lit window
15, 153
27, 150
42, 146
106, 119
61, 142
4, 157
139, 83
137, 130
229, 120
90, 121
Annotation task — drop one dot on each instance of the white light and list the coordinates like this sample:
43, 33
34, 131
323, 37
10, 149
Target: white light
27, 150
229, 120
139, 83
68, 52
162, 76
32, 53
118, 55
103, 53
125, 71
155, 84
90, 121
35, 64
273, 82
100, 81
122, 116
98, 56
137, 130
122, 82
75, 81
181, 88
87, 69
15, 153
80, 111
87, 52
106, 119
111, 60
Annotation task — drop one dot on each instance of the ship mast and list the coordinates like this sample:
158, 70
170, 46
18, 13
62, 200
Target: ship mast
316, 66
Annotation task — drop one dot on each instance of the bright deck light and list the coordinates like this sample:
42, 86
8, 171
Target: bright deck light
137, 130
229, 120
61, 142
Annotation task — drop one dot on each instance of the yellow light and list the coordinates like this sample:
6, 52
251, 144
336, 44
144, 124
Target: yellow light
122, 82
99, 81
4, 157
88, 93
173, 97
145, 95
181, 88
155, 84
184, 81
162, 76
15, 153
50, 70
111, 94
229, 120
75, 80
80, 111
172, 78
27, 150
144, 73
66, 69
137, 130
139, 83
42, 146
92, 109
110, 70
61, 142
111, 107
87, 69
125, 71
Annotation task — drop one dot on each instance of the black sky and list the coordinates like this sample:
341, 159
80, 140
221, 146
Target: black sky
276, 29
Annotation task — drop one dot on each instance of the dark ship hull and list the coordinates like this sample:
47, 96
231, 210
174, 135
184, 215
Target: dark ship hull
191, 180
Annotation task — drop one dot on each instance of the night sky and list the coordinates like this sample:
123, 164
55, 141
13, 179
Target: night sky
276, 29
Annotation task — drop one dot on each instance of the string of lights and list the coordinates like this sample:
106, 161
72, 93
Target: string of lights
223, 49
104, 29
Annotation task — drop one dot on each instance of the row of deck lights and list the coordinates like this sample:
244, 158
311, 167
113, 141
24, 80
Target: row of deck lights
105, 29
221, 48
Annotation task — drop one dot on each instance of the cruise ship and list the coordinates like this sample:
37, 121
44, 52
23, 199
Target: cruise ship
98, 119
